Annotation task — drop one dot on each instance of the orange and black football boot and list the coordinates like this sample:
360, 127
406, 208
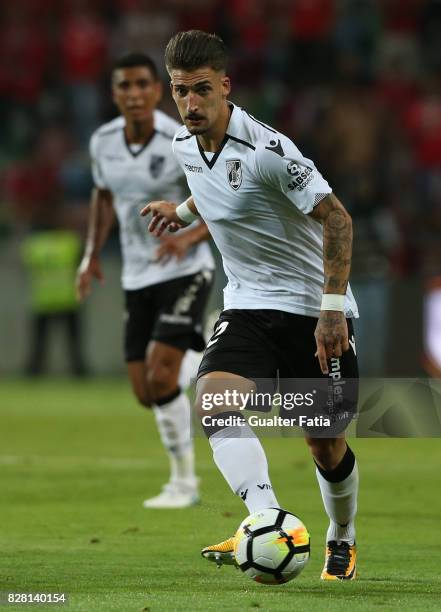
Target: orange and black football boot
339, 561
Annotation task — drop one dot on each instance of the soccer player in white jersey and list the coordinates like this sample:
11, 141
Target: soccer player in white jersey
285, 241
166, 283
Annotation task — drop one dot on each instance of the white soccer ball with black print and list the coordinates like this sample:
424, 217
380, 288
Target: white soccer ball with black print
272, 546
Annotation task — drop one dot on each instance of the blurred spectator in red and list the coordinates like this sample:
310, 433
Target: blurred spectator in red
198, 14
145, 26
423, 125
396, 86
398, 57
83, 40
24, 54
32, 190
250, 31
83, 43
312, 19
401, 16
31, 186
312, 23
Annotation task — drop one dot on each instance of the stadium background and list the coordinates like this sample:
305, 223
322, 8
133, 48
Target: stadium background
355, 83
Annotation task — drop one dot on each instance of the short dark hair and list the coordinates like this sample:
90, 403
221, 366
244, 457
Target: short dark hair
133, 60
193, 49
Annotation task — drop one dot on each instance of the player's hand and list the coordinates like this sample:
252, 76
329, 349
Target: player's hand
173, 246
89, 268
163, 216
331, 337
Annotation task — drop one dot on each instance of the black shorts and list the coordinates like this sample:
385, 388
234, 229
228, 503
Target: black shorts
271, 345
169, 312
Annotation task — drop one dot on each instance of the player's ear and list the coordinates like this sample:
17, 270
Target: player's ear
226, 86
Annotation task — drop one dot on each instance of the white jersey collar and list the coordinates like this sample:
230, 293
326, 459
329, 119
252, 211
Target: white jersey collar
232, 133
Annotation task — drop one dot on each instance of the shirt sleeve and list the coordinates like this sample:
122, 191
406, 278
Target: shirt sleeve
97, 174
280, 165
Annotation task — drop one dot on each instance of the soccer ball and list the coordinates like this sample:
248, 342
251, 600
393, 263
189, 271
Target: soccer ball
272, 546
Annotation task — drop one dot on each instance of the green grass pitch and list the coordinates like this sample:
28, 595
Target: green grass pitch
77, 459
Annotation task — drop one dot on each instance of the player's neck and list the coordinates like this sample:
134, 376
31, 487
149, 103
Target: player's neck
211, 140
138, 132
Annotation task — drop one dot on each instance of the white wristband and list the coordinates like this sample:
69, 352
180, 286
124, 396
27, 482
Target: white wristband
185, 214
333, 301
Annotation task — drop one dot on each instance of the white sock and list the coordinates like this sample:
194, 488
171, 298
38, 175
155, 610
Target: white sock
173, 420
240, 457
189, 368
340, 501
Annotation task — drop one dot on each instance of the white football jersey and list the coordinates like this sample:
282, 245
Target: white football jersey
255, 194
137, 175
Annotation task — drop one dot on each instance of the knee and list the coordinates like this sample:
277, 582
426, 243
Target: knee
207, 388
327, 452
160, 379
220, 392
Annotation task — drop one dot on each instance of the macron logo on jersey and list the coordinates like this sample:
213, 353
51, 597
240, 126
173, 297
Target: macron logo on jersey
276, 148
190, 168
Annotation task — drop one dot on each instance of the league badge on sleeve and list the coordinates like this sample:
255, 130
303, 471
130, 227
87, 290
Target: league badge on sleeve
234, 173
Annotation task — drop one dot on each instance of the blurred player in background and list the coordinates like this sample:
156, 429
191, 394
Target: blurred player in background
166, 282
285, 241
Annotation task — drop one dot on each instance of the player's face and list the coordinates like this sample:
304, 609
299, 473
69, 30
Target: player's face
136, 92
199, 95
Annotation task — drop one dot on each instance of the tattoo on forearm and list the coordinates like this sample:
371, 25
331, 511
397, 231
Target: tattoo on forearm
337, 250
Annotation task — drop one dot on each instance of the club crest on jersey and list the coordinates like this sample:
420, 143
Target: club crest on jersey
156, 165
234, 173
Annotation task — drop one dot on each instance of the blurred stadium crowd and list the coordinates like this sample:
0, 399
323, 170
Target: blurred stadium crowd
355, 83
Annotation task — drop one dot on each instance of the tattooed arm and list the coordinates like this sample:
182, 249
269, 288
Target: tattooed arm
331, 333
